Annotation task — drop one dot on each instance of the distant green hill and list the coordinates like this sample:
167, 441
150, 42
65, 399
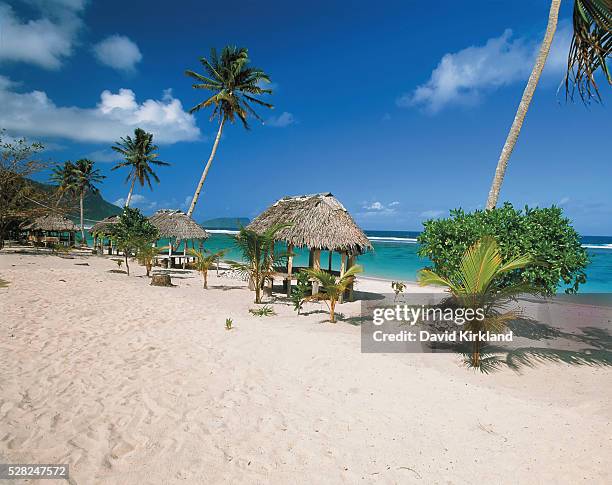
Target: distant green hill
226, 223
94, 205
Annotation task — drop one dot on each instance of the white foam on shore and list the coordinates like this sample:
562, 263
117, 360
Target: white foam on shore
407, 240
597, 246
221, 231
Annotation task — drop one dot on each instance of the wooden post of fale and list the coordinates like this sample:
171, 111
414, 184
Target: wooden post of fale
316, 264
169, 263
289, 269
342, 271
351, 263
329, 262
184, 253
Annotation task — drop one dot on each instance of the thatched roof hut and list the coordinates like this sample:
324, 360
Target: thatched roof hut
51, 223
105, 226
318, 221
177, 224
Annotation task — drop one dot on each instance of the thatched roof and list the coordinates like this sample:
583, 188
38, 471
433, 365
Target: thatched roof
104, 226
318, 221
51, 223
175, 223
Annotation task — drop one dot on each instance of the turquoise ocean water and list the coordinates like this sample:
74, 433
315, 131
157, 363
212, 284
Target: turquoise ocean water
395, 257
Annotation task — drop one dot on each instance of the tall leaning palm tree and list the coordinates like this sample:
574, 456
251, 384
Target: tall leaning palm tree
591, 46
85, 176
235, 86
139, 153
63, 176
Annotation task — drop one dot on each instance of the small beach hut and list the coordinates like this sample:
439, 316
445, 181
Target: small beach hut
102, 231
51, 229
175, 224
317, 222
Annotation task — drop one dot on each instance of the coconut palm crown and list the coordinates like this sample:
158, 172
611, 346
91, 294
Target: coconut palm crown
85, 176
140, 154
235, 88
63, 176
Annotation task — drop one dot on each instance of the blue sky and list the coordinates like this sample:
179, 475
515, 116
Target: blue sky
398, 108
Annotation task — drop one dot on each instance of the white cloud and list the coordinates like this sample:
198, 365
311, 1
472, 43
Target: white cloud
118, 52
462, 77
104, 156
378, 208
138, 201
374, 206
431, 214
187, 202
117, 114
281, 121
45, 41
564, 201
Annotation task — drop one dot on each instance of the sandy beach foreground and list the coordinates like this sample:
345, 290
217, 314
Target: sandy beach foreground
130, 383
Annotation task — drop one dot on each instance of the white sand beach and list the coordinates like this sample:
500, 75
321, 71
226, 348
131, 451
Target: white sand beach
130, 383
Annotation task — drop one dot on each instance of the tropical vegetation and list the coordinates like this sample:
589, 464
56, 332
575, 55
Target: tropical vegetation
589, 50
20, 198
479, 284
235, 87
146, 253
300, 291
84, 178
259, 256
63, 176
331, 288
544, 233
133, 231
205, 260
140, 154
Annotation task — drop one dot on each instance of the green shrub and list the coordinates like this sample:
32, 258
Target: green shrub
542, 233
300, 291
264, 311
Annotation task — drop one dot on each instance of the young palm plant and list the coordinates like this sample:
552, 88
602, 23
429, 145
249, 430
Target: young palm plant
478, 284
63, 176
589, 50
205, 260
258, 253
85, 176
139, 153
235, 86
145, 253
332, 288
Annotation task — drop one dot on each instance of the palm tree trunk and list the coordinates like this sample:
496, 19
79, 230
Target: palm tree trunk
82, 226
206, 169
129, 197
521, 112
332, 311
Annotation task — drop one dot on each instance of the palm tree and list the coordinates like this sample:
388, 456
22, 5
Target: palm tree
85, 176
478, 284
204, 261
591, 45
139, 153
146, 254
235, 87
63, 176
258, 253
331, 288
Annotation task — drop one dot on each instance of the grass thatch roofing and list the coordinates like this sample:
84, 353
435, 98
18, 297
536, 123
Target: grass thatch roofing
175, 223
51, 223
105, 226
318, 221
